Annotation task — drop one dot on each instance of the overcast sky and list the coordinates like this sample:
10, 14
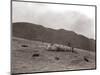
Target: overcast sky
80, 19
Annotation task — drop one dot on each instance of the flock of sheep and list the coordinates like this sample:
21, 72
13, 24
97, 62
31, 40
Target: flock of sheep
63, 48
59, 47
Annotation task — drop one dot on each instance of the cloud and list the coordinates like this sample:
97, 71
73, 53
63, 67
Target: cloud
76, 18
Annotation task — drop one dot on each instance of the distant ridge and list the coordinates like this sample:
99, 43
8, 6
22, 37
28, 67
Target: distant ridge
37, 32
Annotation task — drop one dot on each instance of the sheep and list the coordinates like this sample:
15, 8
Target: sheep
56, 47
51, 47
60, 47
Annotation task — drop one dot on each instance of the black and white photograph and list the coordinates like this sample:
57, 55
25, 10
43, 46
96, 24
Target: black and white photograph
52, 37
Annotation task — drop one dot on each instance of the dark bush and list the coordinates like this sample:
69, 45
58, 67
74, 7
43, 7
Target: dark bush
35, 55
86, 59
57, 58
24, 45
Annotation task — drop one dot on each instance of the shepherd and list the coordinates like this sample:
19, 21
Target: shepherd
71, 47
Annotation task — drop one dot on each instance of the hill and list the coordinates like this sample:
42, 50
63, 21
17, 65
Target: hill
38, 32
33, 56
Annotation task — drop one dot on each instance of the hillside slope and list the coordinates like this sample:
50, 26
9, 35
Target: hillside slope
61, 36
24, 62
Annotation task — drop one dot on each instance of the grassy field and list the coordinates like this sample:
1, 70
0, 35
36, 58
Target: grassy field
33, 56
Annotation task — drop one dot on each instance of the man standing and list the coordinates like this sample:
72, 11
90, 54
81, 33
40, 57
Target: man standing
71, 47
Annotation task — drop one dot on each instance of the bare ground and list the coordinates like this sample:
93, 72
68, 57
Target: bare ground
23, 59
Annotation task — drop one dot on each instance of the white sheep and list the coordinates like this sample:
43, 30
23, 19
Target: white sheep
56, 47
51, 47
